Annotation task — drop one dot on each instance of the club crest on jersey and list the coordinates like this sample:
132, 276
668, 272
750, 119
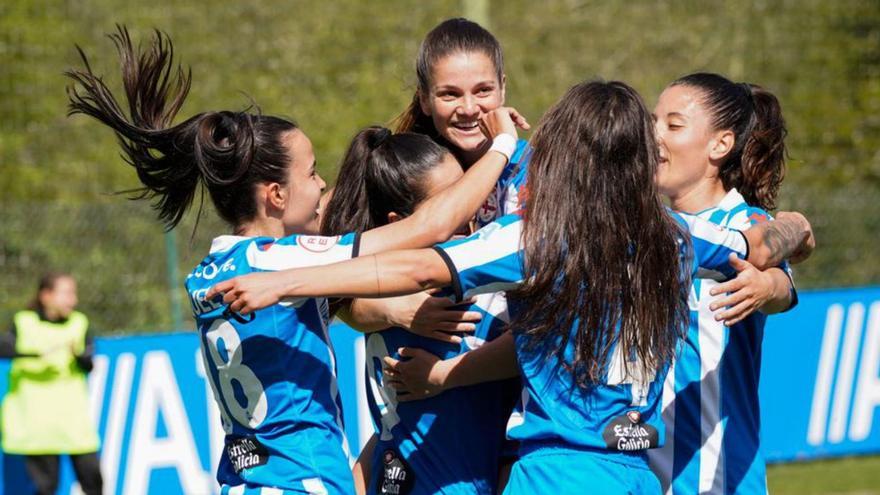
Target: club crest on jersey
628, 432
246, 452
397, 477
316, 243
489, 211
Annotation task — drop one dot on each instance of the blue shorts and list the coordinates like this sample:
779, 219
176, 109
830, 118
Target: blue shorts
309, 487
557, 470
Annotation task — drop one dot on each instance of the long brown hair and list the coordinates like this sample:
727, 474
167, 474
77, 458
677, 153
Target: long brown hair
756, 164
228, 152
602, 266
451, 36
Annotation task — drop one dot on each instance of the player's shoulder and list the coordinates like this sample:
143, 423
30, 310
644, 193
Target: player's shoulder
745, 216
300, 250
79, 319
736, 212
522, 152
224, 260
505, 226
756, 215
317, 243
509, 220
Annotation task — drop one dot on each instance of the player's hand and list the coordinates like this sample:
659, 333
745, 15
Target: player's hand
420, 376
805, 249
503, 120
745, 294
247, 293
434, 317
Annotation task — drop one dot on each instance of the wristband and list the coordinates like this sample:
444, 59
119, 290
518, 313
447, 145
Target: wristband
504, 144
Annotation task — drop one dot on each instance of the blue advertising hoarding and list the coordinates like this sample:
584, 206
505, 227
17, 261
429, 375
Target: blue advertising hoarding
160, 429
820, 377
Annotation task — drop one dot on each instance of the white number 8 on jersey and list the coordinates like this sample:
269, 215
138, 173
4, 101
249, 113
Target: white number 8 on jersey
385, 397
231, 368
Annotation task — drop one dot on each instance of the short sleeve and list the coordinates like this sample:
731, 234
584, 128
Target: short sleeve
711, 246
490, 260
300, 251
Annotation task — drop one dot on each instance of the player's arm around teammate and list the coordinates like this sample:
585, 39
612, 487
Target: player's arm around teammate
722, 157
260, 174
424, 375
552, 241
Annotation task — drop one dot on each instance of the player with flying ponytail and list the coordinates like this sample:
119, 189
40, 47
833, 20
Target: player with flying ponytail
273, 373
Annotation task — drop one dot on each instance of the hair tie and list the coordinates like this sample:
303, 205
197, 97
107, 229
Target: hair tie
377, 138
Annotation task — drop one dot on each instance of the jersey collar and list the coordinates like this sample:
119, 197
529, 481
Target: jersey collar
225, 242
731, 200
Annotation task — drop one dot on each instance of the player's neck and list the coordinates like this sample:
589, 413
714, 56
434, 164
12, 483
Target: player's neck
261, 227
705, 194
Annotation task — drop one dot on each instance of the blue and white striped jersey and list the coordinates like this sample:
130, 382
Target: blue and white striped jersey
273, 373
450, 443
710, 397
621, 415
447, 444
508, 195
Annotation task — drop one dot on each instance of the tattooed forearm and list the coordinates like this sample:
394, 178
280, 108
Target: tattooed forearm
789, 237
782, 238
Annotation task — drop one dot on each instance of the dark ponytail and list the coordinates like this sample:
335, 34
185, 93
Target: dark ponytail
227, 152
756, 164
764, 154
381, 173
456, 35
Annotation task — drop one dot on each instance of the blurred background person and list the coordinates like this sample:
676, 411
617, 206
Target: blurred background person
46, 411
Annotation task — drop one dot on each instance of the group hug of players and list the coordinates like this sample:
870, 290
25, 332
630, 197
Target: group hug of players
537, 319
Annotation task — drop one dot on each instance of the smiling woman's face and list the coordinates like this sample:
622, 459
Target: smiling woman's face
685, 136
464, 87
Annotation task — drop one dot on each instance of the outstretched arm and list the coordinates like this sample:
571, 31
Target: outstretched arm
380, 275
422, 313
789, 237
441, 215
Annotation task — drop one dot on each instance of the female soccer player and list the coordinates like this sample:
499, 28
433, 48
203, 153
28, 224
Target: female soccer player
599, 290
460, 78
450, 443
722, 158
460, 73
273, 374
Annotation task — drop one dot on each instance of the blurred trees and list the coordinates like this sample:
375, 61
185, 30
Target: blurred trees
337, 66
